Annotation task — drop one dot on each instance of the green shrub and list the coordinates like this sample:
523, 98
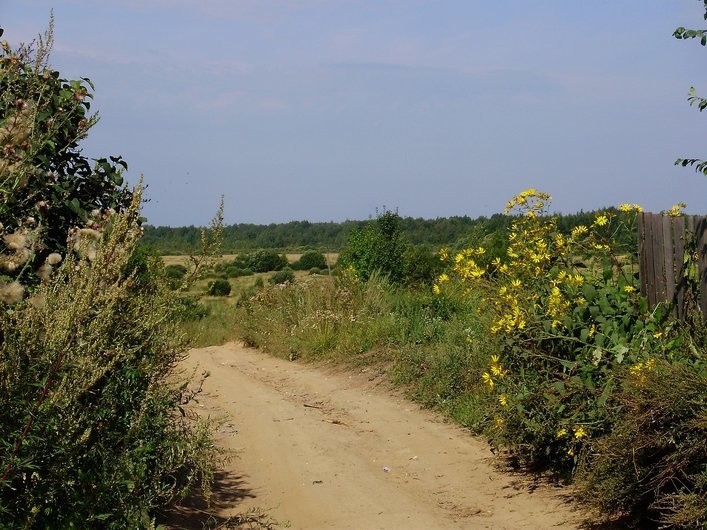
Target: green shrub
234, 272
309, 260
420, 265
220, 287
379, 247
261, 261
188, 309
315, 271
247, 272
283, 276
89, 403
49, 189
175, 272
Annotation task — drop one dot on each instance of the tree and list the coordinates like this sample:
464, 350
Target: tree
693, 98
378, 247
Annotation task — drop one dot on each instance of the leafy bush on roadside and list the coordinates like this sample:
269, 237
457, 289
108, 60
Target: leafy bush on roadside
377, 248
219, 287
90, 407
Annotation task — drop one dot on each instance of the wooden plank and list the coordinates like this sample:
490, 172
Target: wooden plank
701, 239
642, 268
679, 259
650, 262
658, 260
668, 260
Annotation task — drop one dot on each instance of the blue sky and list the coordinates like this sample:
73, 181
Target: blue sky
325, 109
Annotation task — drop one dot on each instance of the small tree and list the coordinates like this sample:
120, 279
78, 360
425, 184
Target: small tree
378, 247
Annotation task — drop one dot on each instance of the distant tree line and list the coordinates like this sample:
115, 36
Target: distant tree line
331, 236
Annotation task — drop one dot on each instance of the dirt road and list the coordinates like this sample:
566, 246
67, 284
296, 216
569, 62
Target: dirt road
320, 448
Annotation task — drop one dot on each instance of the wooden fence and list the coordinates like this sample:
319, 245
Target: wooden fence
662, 243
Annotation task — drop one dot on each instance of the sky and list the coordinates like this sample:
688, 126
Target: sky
325, 110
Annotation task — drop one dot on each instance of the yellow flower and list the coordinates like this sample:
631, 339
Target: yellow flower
625, 207
561, 433
499, 422
487, 379
503, 400
443, 254
637, 208
676, 211
592, 330
657, 335
570, 452
443, 278
579, 432
435, 289
602, 220
516, 283
579, 230
495, 359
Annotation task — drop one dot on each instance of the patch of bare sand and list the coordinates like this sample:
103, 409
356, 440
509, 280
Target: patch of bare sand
325, 449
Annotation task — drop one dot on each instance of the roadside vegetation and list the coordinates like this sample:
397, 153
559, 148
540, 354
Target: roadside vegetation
540, 340
97, 424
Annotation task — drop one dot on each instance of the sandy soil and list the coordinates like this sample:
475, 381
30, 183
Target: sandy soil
321, 448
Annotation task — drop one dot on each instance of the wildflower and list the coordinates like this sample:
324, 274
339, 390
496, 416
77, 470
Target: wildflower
436, 289
487, 379
499, 422
45, 272
570, 451
503, 400
17, 240
602, 220
629, 288
561, 433
592, 330
11, 293
625, 207
637, 208
579, 230
657, 334
443, 278
54, 258
495, 359
443, 254
516, 283
579, 432
676, 210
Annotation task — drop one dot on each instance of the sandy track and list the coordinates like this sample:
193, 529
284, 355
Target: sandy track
325, 449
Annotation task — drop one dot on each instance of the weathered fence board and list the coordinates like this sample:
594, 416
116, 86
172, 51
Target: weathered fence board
662, 243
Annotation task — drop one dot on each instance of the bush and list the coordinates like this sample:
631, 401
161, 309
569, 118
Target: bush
189, 309
175, 272
310, 260
233, 272
314, 271
283, 276
379, 247
567, 318
262, 261
420, 265
49, 189
89, 403
219, 287
247, 272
